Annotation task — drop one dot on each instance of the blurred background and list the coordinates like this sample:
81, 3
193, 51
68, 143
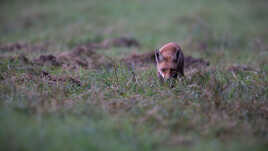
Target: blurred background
230, 34
204, 24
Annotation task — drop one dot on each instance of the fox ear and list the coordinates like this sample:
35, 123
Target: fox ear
179, 55
158, 56
180, 58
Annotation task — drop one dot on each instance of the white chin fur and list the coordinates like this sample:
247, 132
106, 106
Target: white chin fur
162, 75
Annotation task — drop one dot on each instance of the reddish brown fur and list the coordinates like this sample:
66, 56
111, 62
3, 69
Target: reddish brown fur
170, 61
169, 49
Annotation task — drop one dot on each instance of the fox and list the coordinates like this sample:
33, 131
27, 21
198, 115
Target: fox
169, 61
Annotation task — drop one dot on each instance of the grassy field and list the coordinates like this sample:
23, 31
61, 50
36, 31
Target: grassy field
106, 105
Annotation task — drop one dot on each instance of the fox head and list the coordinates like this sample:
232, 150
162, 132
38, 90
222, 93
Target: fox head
170, 61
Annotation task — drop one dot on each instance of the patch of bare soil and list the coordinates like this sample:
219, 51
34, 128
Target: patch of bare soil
145, 58
85, 55
82, 56
140, 59
47, 60
23, 46
191, 62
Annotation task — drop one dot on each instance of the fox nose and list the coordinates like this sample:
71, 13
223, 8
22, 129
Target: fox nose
174, 75
167, 77
171, 76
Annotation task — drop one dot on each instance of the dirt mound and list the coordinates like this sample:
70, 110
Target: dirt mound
23, 46
190, 61
140, 59
47, 60
145, 58
85, 55
80, 56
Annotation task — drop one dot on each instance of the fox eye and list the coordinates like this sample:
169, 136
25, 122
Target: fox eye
164, 70
173, 70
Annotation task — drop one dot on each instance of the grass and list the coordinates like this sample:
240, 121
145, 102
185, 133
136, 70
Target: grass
215, 108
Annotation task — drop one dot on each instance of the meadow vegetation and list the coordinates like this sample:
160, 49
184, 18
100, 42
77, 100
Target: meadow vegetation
80, 75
